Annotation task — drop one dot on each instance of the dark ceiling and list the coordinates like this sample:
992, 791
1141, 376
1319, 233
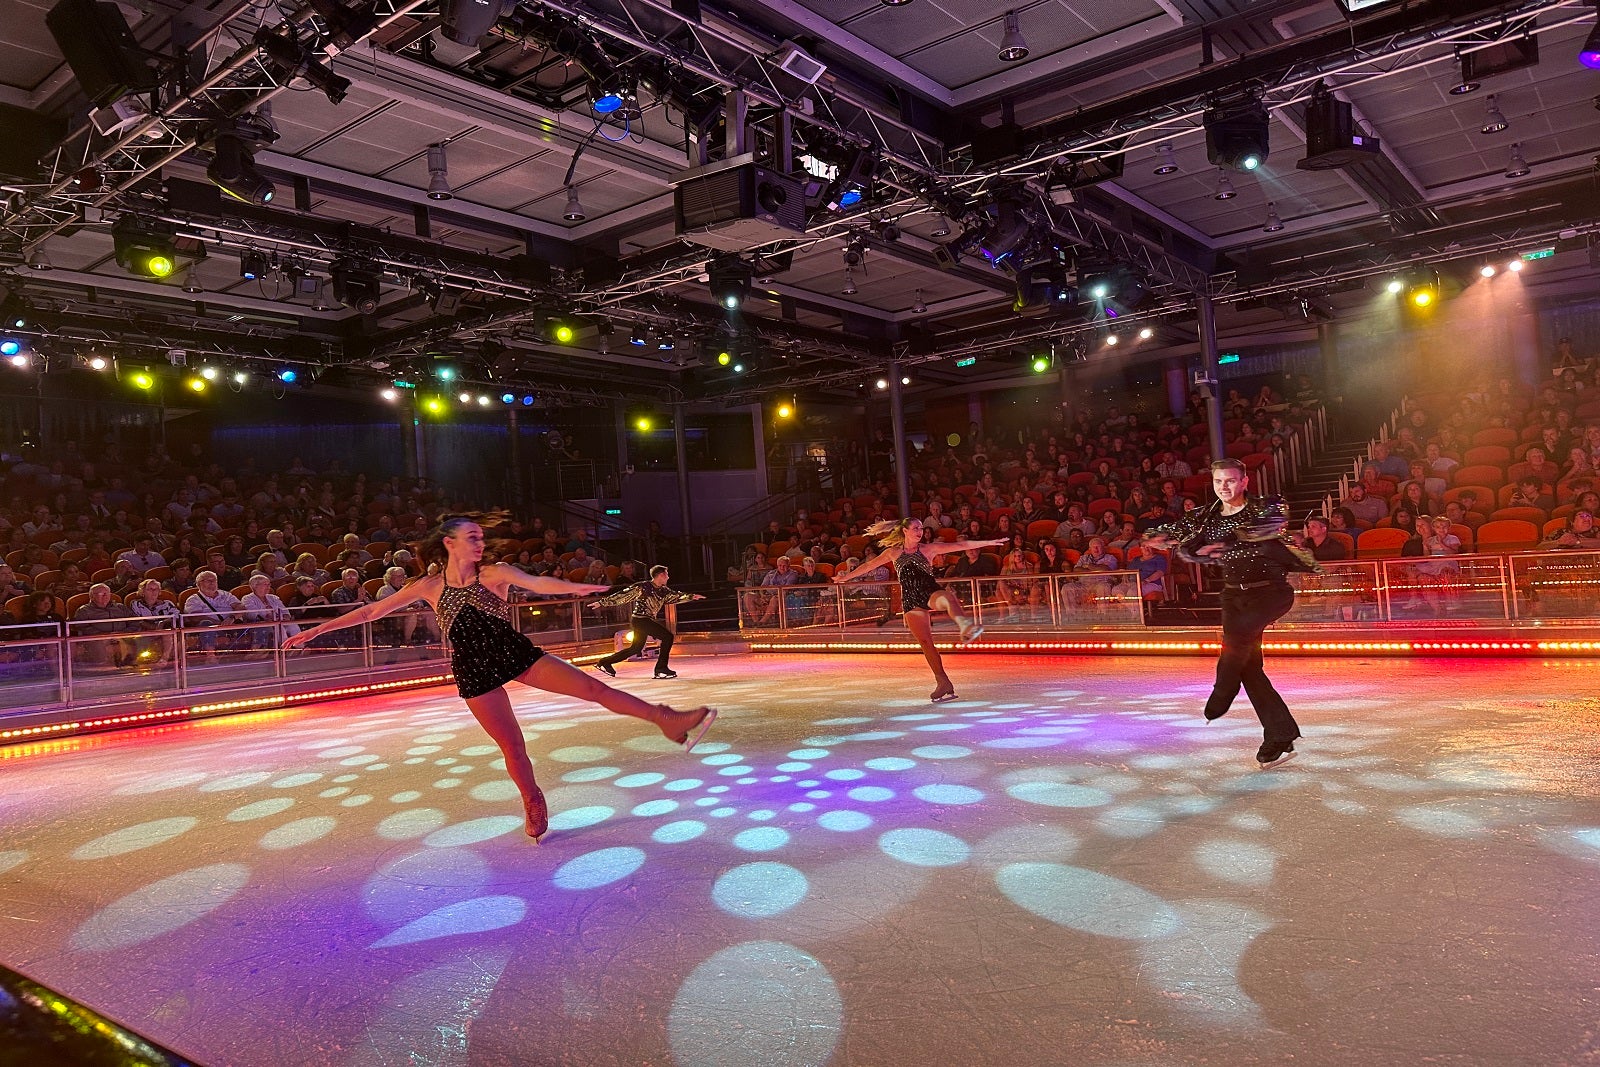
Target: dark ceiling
1108, 90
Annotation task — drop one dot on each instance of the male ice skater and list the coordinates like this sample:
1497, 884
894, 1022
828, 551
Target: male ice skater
1243, 534
647, 598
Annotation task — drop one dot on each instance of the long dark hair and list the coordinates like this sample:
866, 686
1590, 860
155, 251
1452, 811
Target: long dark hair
432, 549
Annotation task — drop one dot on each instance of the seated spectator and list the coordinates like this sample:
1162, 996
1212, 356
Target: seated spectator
107, 612
1363, 508
1580, 533
1580, 466
142, 556
1096, 558
261, 604
783, 574
1437, 462
306, 566
39, 618
11, 585
269, 565
1127, 538
351, 542
182, 578
211, 606
1017, 594
351, 590
1075, 520
71, 583
1152, 568
1322, 547
974, 564
151, 605
236, 555
1529, 493
1387, 463
409, 625
217, 563
1051, 561
1535, 465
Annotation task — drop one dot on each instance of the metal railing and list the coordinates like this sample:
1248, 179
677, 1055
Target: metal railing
1530, 587
103, 662
1018, 602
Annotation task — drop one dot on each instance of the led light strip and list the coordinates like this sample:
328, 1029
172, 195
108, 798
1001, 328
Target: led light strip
1185, 646
76, 726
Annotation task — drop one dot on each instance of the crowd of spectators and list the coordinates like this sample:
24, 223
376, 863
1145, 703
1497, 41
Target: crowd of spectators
1495, 466
1072, 494
132, 546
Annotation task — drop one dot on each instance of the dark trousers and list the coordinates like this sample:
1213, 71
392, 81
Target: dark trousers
643, 629
1246, 613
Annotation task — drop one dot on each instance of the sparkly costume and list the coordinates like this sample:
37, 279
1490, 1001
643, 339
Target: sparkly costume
486, 649
647, 599
1255, 562
917, 582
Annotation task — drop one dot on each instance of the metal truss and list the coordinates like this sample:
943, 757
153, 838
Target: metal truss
236, 83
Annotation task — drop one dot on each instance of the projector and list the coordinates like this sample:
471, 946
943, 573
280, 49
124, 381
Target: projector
738, 208
1333, 140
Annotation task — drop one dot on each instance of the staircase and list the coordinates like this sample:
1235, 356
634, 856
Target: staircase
1321, 478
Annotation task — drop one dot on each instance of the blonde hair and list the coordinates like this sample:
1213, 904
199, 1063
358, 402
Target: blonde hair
890, 533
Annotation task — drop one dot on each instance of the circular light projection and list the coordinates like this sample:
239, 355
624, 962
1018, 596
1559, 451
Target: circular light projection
761, 839
1087, 900
595, 869
759, 890
673, 833
844, 821
924, 848
760, 1002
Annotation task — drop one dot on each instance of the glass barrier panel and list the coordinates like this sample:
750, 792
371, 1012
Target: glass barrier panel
872, 604
410, 635
1439, 588
104, 659
31, 671
1556, 585
1098, 598
346, 652
807, 607
1021, 601
1345, 592
752, 605
219, 656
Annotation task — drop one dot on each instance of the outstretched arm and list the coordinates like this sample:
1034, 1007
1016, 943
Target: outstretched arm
945, 548
888, 555
501, 573
426, 588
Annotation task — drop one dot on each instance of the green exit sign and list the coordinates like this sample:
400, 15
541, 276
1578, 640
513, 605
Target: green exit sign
1540, 253
1228, 357
613, 511
969, 361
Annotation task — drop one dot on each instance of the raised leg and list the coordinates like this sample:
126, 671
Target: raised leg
494, 714
556, 675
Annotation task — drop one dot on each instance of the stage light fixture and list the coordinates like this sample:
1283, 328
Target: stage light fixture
483, 400
40, 261
1515, 266
1236, 137
1273, 223
233, 170
919, 307
209, 373
253, 264
940, 228
1517, 165
1146, 333
1166, 162
562, 332
1394, 286
1013, 48
1112, 340
143, 379
195, 383
785, 411
1487, 270
573, 212
438, 174
1589, 54
1494, 121
464, 397
729, 282
1225, 189
389, 393
1039, 362
288, 375
644, 424
849, 282
143, 249
10, 346
639, 336
508, 398
357, 284
527, 400
666, 344
295, 62
466, 22
881, 383
191, 281
1422, 287
15, 313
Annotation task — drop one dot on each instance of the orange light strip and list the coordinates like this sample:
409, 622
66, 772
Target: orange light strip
66, 729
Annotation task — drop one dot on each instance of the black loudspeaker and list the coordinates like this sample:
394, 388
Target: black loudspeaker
95, 41
739, 208
945, 257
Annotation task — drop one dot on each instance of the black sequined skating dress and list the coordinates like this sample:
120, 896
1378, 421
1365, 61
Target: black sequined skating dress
917, 582
486, 649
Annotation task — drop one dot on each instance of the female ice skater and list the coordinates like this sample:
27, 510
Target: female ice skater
487, 651
919, 589
1243, 534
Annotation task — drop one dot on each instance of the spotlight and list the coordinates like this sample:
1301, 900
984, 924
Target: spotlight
1012, 46
855, 252
357, 284
438, 174
1517, 165
574, 210
195, 383
1394, 286
253, 264
882, 383
639, 337
240, 377
1422, 298
1236, 137
784, 410
390, 394
1273, 223
666, 344
1589, 55
941, 228
1422, 287
1146, 333
14, 313
919, 308
1487, 270
849, 283
143, 380
1515, 266
1225, 190
1039, 363
98, 363
21, 361
483, 400
433, 405
905, 381
143, 249
294, 62
1494, 121
508, 398
562, 332
191, 281
288, 376
466, 22
527, 400
729, 282
233, 170
1166, 163
10, 346
209, 373
1112, 340
465, 398
644, 424
40, 261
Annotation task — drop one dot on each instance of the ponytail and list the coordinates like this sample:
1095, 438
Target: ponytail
890, 533
432, 550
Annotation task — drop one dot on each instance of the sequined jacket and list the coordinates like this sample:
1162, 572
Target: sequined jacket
1254, 546
647, 599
